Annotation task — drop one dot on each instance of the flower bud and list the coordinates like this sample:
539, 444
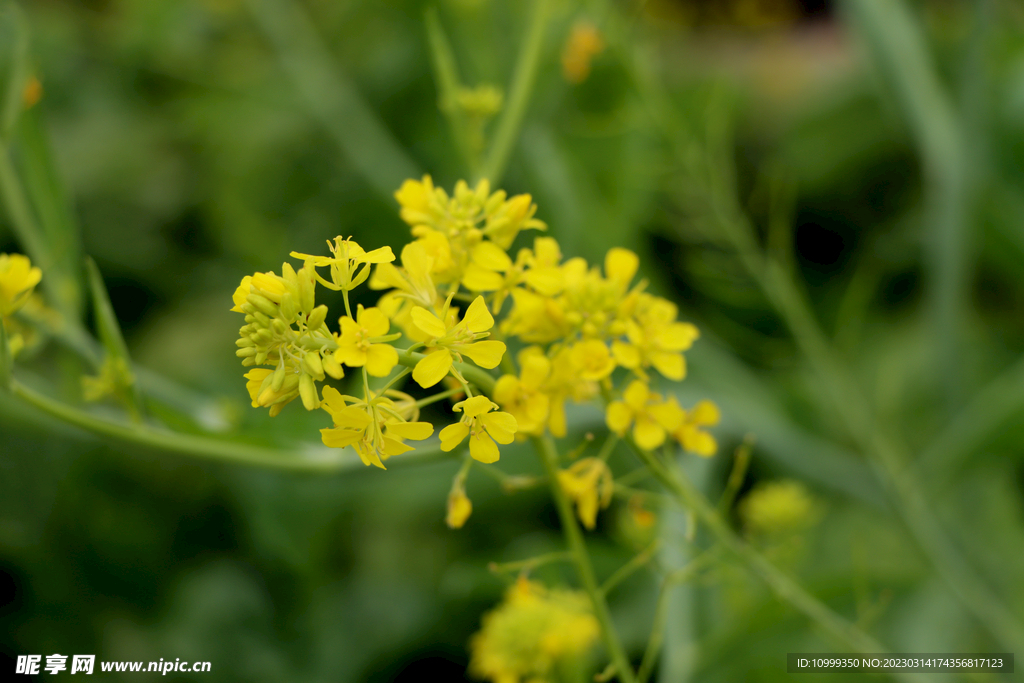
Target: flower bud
289, 306
316, 318
311, 365
332, 367
307, 390
264, 305
278, 381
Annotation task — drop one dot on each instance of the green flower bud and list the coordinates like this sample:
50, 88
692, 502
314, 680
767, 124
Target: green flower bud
316, 318
307, 390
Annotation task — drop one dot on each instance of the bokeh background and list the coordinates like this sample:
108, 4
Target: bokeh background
201, 140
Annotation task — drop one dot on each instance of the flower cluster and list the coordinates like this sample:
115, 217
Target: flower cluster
573, 326
531, 633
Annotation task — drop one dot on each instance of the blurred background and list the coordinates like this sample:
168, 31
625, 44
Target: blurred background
201, 140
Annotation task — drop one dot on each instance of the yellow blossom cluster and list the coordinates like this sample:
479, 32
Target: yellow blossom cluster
528, 635
573, 324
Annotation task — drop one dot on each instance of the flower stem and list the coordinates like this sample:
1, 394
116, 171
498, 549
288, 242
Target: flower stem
577, 546
205, 447
523, 77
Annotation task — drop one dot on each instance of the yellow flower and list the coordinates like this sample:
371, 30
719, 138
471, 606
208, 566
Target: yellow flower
589, 483
652, 418
241, 294
523, 396
374, 428
655, 338
563, 383
530, 632
481, 426
582, 45
356, 346
777, 507
344, 263
689, 434
592, 359
413, 281
459, 506
18, 277
448, 338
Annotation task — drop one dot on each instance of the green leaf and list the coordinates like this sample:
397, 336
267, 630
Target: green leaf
13, 66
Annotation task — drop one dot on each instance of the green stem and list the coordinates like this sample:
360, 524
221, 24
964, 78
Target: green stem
527, 65
783, 586
627, 570
204, 447
577, 546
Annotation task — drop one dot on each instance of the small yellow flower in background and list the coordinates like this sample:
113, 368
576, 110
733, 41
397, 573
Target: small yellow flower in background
524, 638
641, 516
523, 396
375, 429
592, 359
32, 93
359, 344
564, 383
18, 277
652, 418
589, 483
778, 507
114, 379
459, 506
481, 426
448, 338
583, 44
689, 433
655, 338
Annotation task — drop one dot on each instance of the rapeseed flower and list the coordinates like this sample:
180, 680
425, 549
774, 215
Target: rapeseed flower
652, 418
588, 482
363, 342
483, 428
450, 340
18, 277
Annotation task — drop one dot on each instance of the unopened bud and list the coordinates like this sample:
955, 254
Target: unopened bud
307, 390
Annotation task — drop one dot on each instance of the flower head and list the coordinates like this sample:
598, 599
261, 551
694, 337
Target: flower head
345, 261
589, 483
450, 339
18, 277
362, 342
374, 428
483, 428
530, 632
651, 417
689, 433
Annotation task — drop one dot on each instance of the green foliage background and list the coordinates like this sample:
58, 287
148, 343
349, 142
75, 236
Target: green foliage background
202, 140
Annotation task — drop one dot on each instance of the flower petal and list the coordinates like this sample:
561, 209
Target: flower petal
477, 318
501, 426
433, 368
373, 321
486, 354
381, 359
647, 433
417, 431
452, 435
428, 322
618, 417
483, 449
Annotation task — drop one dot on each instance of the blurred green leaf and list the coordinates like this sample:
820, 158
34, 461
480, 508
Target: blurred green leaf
109, 330
14, 72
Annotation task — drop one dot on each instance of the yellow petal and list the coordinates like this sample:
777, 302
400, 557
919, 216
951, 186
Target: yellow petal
670, 365
373, 321
474, 407
557, 422
668, 414
483, 449
478, 318
340, 438
505, 389
381, 359
490, 256
501, 426
636, 396
620, 265
382, 255
352, 417
477, 279
618, 417
627, 355
486, 354
417, 431
536, 369
459, 509
452, 435
428, 322
394, 447
705, 413
351, 355
433, 368
648, 434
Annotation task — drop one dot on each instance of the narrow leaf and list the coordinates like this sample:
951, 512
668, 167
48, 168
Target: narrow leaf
5, 358
13, 66
109, 330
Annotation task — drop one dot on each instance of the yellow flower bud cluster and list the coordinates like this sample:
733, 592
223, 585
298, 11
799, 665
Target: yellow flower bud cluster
530, 633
